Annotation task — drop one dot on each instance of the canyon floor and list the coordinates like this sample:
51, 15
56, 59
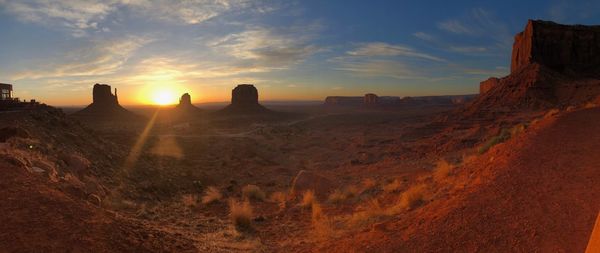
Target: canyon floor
410, 179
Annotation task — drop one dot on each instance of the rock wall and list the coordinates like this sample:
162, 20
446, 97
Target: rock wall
574, 48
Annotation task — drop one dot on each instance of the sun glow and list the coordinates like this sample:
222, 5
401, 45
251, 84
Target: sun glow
163, 97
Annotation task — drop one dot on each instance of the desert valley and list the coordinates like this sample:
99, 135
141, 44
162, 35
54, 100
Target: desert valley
511, 169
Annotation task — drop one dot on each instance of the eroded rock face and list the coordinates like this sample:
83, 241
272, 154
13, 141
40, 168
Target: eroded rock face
574, 48
487, 85
244, 94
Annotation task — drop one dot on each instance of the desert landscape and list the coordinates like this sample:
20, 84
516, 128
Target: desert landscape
513, 168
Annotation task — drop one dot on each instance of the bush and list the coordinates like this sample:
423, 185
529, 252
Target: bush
442, 170
341, 195
280, 198
394, 186
253, 192
413, 197
322, 224
502, 137
241, 214
308, 199
372, 212
212, 195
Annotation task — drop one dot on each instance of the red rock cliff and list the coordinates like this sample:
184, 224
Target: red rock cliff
574, 48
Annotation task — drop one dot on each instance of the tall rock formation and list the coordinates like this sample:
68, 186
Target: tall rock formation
105, 104
371, 99
244, 100
552, 65
185, 104
573, 48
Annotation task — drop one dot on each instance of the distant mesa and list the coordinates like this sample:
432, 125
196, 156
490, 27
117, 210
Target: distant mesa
552, 65
372, 100
105, 104
244, 100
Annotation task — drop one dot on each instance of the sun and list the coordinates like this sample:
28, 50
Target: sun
163, 97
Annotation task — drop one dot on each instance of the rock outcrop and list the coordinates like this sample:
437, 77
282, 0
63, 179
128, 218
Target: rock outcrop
185, 104
244, 100
105, 105
553, 65
571, 48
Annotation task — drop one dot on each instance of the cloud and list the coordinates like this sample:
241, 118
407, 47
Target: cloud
424, 36
81, 17
384, 49
467, 49
455, 26
266, 48
100, 58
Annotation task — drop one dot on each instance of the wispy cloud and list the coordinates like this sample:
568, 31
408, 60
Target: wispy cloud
424, 36
479, 22
384, 49
455, 26
100, 58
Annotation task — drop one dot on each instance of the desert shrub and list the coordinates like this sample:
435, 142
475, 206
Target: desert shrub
442, 170
394, 186
371, 213
322, 224
308, 198
241, 214
189, 200
253, 192
411, 198
211, 195
280, 198
502, 137
341, 195
368, 184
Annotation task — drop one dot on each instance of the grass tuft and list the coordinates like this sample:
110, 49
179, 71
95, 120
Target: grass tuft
241, 214
253, 192
211, 195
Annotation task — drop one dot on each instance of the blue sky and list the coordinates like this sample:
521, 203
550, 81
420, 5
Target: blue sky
292, 50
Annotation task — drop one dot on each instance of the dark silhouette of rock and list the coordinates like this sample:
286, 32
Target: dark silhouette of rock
371, 99
244, 100
185, 104
105, 105
344, 101
571, 48
552, 65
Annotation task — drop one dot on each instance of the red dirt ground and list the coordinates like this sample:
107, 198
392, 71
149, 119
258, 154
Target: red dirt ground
37, 218
538, 192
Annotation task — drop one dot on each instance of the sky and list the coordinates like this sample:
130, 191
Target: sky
56, 50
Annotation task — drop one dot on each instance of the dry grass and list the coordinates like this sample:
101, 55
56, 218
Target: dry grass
394, 186
211, 195
372, 212
189, 200
253, 192
442, 170
368, 184
339, 196
411, 198
241, 214
280, 198
308, 199
322, 224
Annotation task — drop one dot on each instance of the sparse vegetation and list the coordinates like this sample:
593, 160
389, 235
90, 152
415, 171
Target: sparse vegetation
212, 195
241, 214
371, 213
411, 198
341, 195
442, 170
321, 223
253, 192
189, 200
308, 199
394, 186
280, 198
502, 137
